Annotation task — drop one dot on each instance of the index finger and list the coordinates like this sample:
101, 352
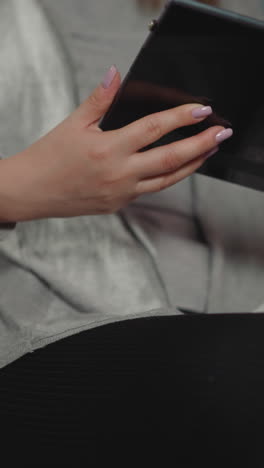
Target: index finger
151, 128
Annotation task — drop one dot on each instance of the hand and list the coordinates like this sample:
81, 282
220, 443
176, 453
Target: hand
77, 169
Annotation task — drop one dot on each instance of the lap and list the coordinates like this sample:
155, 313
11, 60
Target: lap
192, 381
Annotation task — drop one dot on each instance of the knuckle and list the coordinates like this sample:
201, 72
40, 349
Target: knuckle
113, 179
170, 160
154, 128
101, 152
94, 101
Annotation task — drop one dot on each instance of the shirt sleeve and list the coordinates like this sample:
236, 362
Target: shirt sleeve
6, 228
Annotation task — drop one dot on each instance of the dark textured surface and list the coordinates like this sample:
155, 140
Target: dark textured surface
193, 385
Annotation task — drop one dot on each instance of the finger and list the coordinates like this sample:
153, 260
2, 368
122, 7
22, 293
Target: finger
97, 104
160, 183
170, 158
151, 128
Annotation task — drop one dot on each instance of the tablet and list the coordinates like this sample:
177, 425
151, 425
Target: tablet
204, 54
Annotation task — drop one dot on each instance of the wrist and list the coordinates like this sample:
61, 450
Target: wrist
13, 176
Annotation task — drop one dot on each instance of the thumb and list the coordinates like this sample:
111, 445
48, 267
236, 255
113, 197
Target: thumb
93, 108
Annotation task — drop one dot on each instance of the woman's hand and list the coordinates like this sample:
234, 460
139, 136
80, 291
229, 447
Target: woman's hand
77, 169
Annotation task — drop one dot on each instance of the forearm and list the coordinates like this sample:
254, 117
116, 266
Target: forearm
5, 186
6, 224
22, 194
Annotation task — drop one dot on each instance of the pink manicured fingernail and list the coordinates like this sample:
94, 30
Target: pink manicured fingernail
223, 135
210, 153
200, 112
109, 77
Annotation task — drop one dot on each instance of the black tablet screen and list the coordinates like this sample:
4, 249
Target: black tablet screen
205, 58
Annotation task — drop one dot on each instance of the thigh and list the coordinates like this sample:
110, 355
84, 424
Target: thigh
190, 384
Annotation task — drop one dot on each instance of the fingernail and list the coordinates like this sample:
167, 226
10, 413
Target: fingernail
202, 112
223, 135
210, 153
109, 77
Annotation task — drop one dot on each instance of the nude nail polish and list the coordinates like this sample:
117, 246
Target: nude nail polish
109, 77
200, 112
211, 153
224, 135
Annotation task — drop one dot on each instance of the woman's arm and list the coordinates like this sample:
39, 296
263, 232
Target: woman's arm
5, 227
77, 169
